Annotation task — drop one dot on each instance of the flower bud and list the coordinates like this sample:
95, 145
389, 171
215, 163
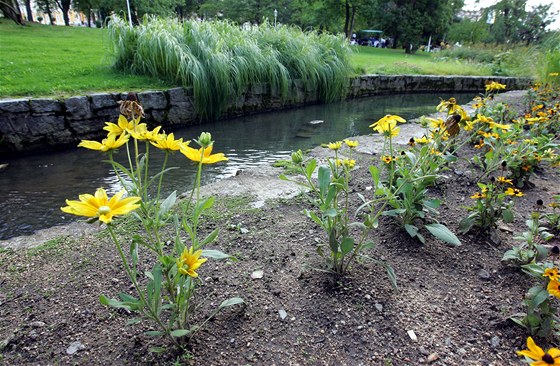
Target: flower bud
297, 157
205, 139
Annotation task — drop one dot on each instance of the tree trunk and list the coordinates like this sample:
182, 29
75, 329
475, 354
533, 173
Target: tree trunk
347, 19
89, 17
64, 6
28, 10
49, 13
10, 9
351, 30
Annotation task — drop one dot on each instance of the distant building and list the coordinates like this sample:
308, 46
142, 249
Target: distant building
76, 18
473, 15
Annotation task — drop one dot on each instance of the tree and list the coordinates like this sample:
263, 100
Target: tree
45, 6
409, 22
64, 6
10, 9
28, 10
468, 31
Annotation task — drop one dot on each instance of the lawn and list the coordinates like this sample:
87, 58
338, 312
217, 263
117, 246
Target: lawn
370, 60
39, 60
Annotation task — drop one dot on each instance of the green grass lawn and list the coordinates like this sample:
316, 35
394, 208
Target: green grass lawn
40, 60
370, 60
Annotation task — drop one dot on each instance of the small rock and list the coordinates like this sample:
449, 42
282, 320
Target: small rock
495, 341
282, 314
75, 347
484, 274
37, 324
243, 230
459, 172
368, 296
462, 351
432, 357
412, 335
257, 274
505, 228
379, 307
423, 350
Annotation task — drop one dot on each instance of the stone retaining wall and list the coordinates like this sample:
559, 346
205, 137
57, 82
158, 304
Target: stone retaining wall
28, 125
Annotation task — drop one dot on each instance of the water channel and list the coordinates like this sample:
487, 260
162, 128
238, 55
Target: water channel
33, 188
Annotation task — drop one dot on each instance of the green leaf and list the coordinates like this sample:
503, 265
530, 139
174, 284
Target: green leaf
167, 204
539, 297
466, 224
443, 233
157, 349
180, 333
331, 212
391, 274
346, 245
211, 237
324, 177
411, 230
216, 254
374, 171
433, 203
507, 216
368, 245
113, 303
134, 321
231, 302
421, 238
395, 212
310, 168
314, 217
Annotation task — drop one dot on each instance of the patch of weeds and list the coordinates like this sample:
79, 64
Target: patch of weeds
123, 225
289, 167
50, 247
229, 206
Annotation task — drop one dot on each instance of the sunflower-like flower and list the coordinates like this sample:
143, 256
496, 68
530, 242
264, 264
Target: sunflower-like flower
124, 125
514, 192
478, 196
190, 261
100, 206
553, 288
169, 143
348, 163
452, 107
503, 180
539, 356
494, 86
351, 144
388, 159
388, 124
202, 155
552, 274
334, 145
110, 143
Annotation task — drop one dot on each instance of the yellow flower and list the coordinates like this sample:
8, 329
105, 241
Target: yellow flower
124, 125
492, 86
334, 145
553, 288
436, 123
142, 134
351, 144
535, 353
514, 192
478, 196
100, 206
106, 144
198, 156
169, 143
190, 261
552, 274
386, 123
500, 126
480, 144
452, 108
554, 74
504, 180
348, 163
387, 159
422, 140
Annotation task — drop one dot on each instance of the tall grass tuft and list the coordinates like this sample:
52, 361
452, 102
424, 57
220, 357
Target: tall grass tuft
220, 60
549, 61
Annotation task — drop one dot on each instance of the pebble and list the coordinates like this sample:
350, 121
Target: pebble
282, 314
75, 347
379, 307
257, 274
462, 351
412, 335
37, 324
484, 274
433, 357
495, 341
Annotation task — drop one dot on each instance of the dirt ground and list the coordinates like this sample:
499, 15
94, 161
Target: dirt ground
456, 300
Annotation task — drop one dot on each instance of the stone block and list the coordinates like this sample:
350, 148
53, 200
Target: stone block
78, 108
88, 127
45, 105
177, 96
43, 125
159, 116
14, 105
179, 116
152, 100
109, 114
103, 100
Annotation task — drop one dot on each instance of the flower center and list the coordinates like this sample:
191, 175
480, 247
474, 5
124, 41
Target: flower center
103, 210
548, 359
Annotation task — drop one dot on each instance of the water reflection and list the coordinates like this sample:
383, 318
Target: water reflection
33, 188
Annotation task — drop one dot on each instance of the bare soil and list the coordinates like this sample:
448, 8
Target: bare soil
456, 300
